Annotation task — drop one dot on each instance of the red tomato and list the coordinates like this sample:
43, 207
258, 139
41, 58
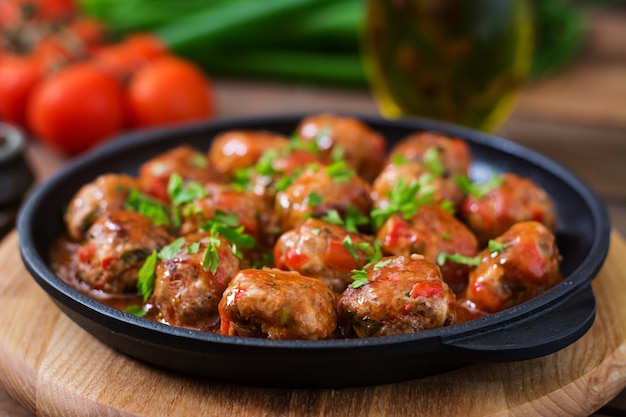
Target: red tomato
124, 58
11, 11
18, 78
169, 90
76, 108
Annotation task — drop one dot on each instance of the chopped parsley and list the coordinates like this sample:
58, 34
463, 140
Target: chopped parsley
181, 193
495, 246
147, 275
339, 171
432, 162
227, 226
403, 199
479, 190
458, 258
171, 250
156, 211
314, 199
359, 277
136, 310
353, 218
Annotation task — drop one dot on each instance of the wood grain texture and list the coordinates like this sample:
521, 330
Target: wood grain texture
54, 368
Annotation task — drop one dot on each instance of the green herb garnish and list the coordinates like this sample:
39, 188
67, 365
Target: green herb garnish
458, 258
155, 210
147, 275
402, 199
432, 162
359, 277
479, 190
495, 246
339, 171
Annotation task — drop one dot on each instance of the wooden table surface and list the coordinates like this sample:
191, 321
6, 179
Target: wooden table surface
577, 118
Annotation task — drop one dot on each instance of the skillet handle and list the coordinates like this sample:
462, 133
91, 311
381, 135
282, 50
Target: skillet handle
535, 336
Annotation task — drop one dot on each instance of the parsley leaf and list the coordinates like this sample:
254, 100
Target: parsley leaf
432, 162
150, 207
339, 171
181, 193
402, 199
211, 258
479, 190
360, 278
227, 226
171, 250
495, 246
136, 310
314, 199
458, 258
147, 275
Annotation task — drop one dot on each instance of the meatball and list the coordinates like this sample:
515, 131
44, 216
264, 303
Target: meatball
187, 291
237, 149
430, 232
512, 199
325, 251
276, 170
522, 264
106, 193
252, 212
363, 148
436, 188
275, 304
320, 189
116, 246
402, 295
189, 163
450, 156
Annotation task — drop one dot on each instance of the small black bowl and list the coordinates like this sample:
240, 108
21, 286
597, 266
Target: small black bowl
535, 328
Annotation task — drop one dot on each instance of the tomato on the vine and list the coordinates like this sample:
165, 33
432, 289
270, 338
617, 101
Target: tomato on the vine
77, 108
169, 90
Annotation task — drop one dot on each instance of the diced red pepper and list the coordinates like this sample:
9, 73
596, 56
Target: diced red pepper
339, 258
295, 259
427, 289
86, 252
108, 262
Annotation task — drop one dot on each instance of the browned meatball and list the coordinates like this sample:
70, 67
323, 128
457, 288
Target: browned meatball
276, 170
237, 149
184, 160
187, 291
318, 249
512, 199
431, 231
402, 295
116, 246
252, 212
275, 304
105, 194
431, 148
436, 188
363, 148
523, 264
319, 190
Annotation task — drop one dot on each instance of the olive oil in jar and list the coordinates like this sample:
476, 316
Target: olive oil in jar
460, 61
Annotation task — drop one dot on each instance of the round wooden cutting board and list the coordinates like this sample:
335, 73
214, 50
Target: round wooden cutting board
55, 368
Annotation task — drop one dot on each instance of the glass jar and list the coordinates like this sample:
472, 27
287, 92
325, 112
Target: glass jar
461, 61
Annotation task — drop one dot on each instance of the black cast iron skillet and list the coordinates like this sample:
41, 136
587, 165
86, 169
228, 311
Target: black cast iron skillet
538, 327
